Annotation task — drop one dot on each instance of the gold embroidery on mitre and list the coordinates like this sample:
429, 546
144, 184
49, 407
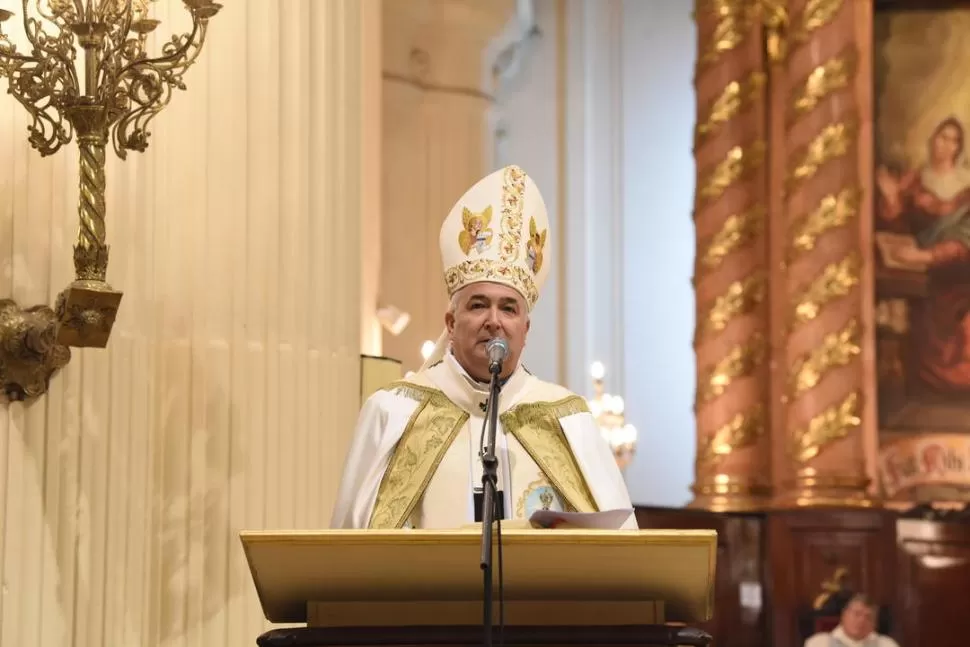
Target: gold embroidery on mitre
513, 260
537, 242
513, 190
484, 269
537, 428
475, 233
430, 431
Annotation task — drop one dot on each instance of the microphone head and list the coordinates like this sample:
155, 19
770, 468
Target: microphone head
497, 349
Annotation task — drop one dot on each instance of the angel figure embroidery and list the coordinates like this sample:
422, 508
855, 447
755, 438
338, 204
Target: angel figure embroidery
476, 233
537, 241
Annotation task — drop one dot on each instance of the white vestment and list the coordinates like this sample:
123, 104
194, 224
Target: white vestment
446, 500
838, 638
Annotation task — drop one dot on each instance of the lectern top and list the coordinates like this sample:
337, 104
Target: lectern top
293, 568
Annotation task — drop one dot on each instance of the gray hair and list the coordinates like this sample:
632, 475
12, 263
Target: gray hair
453, 304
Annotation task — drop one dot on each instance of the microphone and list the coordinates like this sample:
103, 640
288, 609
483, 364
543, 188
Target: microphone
497, 350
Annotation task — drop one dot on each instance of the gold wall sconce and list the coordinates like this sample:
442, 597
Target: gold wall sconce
393, 319
113, 92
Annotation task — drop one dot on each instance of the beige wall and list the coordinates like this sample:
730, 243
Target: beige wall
435, 147
228, 392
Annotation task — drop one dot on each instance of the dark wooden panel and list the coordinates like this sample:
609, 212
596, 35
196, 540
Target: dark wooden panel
917, 569
740, 559
934, 582
805, 548
465, 636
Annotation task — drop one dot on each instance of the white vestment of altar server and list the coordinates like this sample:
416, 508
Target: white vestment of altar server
414, 461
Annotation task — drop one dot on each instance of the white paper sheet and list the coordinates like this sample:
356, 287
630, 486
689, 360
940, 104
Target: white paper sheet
606, 520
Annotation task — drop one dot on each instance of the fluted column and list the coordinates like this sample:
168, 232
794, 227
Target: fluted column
731, 279
828, 131
228, 392
436, 144
371, 334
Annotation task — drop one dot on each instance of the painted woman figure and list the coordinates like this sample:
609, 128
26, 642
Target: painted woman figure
932, 203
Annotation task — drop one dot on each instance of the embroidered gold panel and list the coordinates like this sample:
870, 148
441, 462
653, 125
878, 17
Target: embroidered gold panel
427, 436
537, 428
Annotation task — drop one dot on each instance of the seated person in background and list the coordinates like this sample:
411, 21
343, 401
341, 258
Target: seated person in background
856, 628
414, 459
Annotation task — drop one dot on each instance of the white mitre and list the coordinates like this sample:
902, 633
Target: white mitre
498, 232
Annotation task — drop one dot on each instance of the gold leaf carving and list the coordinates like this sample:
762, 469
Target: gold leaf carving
832, 142
832, 586
837, 349
740, 361
738, 230
729, 31
741, 432
835, 281
735, 96
775, 18
735, 164
833, 75
832, 424
741, 298
834, 210
817, 13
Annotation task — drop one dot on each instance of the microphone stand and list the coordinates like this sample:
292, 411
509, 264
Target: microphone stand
489, 489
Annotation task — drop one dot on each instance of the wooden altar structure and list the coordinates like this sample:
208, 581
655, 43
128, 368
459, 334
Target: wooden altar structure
801, 466
784, 263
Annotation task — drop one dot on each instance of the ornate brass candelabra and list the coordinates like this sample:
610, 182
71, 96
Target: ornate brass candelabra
115, 93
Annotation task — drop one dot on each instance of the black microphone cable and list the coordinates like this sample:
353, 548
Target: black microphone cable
501, 586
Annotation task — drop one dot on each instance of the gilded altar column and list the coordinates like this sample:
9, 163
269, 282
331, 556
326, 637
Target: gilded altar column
828, 131
732, 470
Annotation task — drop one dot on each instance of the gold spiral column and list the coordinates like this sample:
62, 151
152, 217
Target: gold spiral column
730, 277
822, 448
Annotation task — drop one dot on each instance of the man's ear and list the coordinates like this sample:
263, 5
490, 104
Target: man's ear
450, 321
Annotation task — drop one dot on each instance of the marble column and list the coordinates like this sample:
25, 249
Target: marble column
732, 470
436, 145
228, 392
827, 122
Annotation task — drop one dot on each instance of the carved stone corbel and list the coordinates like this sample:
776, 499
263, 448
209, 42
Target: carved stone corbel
29, 352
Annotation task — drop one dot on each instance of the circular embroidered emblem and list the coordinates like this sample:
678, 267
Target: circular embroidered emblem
540, 496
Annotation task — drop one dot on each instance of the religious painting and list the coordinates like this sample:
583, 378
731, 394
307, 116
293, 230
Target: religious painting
922, 250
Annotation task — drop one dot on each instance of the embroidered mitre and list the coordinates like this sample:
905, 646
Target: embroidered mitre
498, 231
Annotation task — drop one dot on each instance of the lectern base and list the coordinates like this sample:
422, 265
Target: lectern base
467, 636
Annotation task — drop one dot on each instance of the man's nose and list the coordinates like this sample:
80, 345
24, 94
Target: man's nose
492, 323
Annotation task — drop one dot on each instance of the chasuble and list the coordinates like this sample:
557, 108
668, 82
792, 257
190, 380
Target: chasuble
415, 461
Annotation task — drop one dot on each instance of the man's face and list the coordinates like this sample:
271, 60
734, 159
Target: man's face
485, 311
858, 620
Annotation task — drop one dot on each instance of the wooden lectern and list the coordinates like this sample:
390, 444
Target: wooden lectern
357, 588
